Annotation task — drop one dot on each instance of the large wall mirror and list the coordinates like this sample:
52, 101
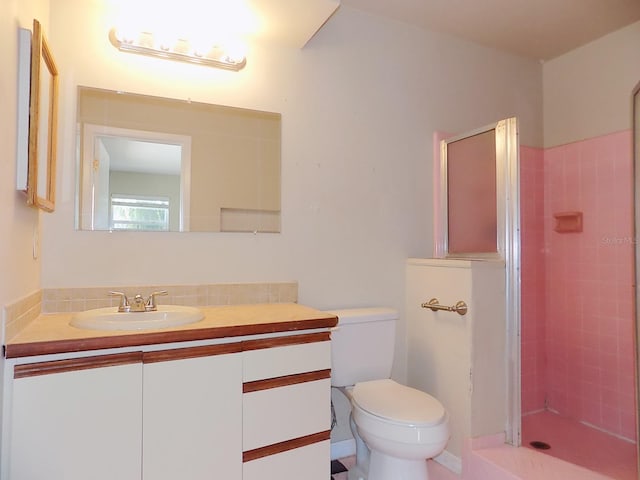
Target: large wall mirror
159, 164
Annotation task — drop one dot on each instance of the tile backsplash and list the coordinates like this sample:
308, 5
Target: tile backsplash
60, 300
18, 314
65, 300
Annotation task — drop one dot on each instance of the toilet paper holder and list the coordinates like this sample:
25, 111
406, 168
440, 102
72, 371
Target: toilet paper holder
434, 305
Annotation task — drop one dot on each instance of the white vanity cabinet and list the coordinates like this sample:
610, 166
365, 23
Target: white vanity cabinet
153, 416
286, 408
248, 409
77, 419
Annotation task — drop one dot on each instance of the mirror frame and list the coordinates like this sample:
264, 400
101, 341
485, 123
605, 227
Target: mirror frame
635, 145
42, 148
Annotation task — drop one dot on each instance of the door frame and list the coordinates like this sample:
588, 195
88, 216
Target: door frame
635, 132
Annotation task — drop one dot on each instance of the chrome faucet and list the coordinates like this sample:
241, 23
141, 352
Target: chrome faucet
150, 304
124, 301
138, 304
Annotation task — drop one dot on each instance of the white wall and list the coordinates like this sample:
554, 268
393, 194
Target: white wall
359, 106
19, 271
587, 92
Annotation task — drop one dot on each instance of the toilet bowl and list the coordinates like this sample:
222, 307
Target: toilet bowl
396, 428
401, 426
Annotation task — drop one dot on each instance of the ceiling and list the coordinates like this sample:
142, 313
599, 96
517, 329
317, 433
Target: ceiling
289, 22
131, 155
540, 29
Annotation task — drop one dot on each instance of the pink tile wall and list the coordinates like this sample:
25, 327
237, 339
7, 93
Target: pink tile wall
589, 293
586, 297
533, 277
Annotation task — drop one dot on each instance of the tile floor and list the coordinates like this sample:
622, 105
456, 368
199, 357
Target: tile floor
605, 456
504, 462
581, 445
339, 468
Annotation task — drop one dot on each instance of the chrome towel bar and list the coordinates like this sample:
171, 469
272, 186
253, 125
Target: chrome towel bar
460, 307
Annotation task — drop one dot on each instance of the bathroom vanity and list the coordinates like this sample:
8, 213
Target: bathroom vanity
242, 394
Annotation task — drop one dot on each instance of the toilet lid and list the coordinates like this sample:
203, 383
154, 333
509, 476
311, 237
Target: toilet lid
398, 403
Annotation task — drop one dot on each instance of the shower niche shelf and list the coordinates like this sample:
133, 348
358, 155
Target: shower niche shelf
568, 222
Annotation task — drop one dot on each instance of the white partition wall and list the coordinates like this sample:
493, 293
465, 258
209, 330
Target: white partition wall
459, 359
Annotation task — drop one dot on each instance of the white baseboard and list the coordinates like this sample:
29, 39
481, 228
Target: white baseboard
450, 461
342, 449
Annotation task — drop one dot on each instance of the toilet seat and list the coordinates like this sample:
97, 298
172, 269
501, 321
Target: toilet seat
396, 403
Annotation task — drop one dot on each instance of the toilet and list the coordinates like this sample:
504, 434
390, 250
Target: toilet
396, 428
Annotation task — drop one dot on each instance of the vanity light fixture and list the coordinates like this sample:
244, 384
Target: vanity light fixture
146, 43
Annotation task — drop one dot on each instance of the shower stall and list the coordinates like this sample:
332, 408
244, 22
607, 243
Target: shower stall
578, 382
569, 255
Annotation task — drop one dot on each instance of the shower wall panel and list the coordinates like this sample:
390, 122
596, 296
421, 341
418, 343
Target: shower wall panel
533, 315
588, 293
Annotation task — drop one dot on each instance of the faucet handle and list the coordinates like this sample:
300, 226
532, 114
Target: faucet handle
124, 301
150, 305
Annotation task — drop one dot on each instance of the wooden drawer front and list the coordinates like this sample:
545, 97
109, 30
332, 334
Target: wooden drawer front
287, 360
310, 462
279, 414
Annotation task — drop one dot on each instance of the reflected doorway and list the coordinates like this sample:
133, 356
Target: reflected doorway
134, 180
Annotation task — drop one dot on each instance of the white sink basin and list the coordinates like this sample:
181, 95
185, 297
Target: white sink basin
110, 319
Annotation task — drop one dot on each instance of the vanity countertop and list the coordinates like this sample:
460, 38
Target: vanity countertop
51, 333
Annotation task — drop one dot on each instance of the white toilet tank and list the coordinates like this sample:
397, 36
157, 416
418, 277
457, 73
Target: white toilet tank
362, 345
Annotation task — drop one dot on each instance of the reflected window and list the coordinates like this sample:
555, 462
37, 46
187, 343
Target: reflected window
130, 212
